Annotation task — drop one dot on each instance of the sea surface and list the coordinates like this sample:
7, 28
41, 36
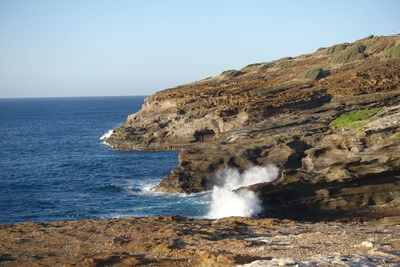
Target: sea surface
54, 165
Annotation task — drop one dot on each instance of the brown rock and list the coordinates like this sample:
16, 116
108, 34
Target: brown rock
263, 114
236, 241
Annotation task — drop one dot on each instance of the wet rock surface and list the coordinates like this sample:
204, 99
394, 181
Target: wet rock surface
265, 114
178, 241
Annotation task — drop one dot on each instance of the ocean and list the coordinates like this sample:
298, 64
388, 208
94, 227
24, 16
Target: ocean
54, 165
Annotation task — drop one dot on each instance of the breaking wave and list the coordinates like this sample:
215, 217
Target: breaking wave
227, 201
106, 135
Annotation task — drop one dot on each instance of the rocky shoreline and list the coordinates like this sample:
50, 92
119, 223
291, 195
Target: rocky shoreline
179, 241
329, 120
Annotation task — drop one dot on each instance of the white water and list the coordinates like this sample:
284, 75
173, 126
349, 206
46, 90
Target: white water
107, 135
225, 202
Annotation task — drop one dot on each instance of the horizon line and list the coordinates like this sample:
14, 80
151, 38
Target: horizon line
48, 97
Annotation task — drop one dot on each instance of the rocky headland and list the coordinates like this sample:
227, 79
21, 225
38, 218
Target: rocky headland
328, 120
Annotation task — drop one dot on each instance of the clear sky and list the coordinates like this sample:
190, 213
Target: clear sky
52, 48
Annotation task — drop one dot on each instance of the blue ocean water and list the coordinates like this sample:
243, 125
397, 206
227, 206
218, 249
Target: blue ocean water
54, 167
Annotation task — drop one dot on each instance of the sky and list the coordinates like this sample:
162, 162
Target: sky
137, 47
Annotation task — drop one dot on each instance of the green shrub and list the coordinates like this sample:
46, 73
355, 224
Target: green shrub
354, 119
393, 52
353, 53
313, 74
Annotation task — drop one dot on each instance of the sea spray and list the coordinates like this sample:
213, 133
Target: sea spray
106, 135
227, 202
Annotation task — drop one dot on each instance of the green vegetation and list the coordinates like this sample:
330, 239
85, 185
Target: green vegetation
313, 74
336, 48
370, 41
393, 52
355, 119
353, 53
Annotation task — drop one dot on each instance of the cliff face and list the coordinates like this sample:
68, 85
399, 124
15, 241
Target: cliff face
283, 112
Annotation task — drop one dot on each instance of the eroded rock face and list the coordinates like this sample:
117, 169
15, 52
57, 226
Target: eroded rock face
264, 114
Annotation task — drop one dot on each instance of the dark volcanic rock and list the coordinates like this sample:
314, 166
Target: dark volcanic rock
264, 114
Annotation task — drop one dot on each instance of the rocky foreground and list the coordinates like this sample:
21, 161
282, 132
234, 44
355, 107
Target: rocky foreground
178, 241
329, 120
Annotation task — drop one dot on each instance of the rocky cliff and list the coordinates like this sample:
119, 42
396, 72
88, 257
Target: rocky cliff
329, 120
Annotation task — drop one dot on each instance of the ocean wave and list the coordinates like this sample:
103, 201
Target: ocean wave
133, 187
106, 135
148, 186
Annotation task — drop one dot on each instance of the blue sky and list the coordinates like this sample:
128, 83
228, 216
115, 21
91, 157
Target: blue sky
98, 48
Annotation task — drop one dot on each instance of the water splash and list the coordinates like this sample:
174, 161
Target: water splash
106, 135
227, 202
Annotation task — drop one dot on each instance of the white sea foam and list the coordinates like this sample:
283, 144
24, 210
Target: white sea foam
227, 202
107, 135
148, 187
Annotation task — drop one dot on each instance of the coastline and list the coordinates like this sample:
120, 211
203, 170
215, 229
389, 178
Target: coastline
266, 113
328, 120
